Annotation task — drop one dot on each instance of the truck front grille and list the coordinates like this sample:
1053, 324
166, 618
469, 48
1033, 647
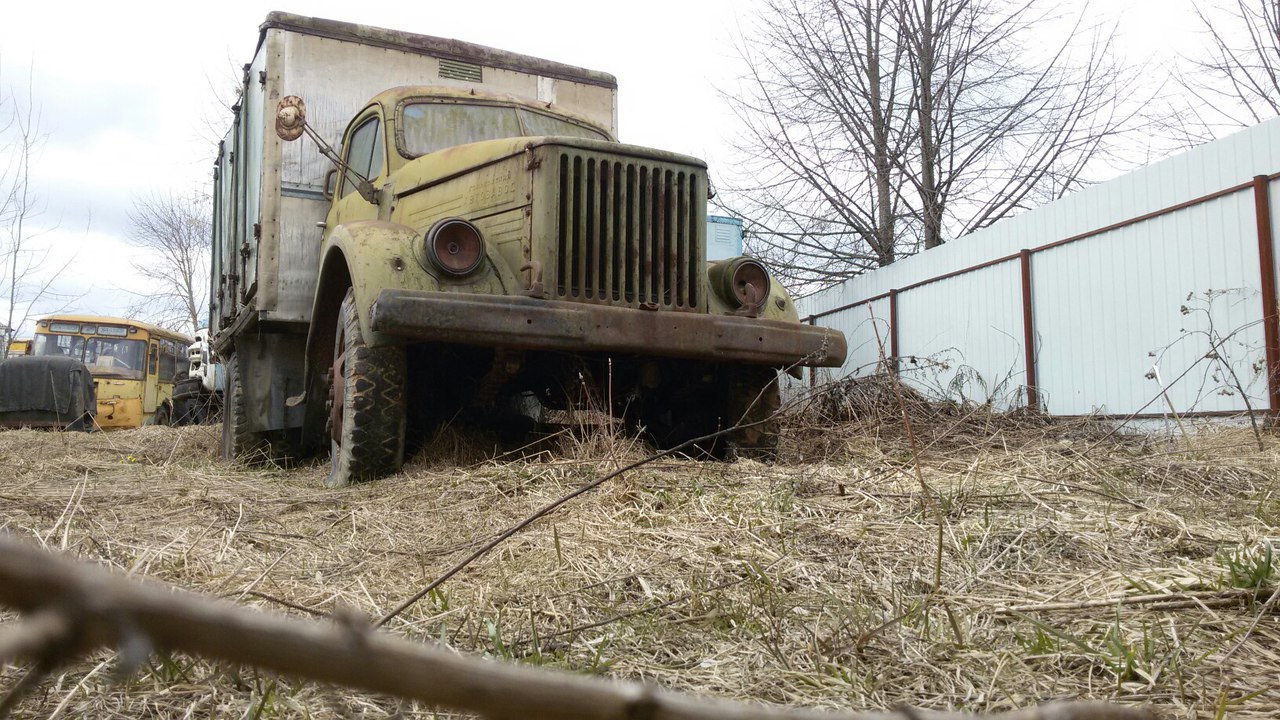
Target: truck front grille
629, 233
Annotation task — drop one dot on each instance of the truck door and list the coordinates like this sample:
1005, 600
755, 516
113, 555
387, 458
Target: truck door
151, 382
365, 152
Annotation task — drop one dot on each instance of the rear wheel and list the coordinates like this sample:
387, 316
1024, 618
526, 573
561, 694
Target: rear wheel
366, 403
161, 415
238, 442
186, 401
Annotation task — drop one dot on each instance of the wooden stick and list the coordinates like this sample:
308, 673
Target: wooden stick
1178, 597
105, 609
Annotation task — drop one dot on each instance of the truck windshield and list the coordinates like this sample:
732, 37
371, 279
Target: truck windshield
430, 126
115, 357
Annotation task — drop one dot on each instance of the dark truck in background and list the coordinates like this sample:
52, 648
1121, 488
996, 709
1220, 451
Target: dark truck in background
474, 239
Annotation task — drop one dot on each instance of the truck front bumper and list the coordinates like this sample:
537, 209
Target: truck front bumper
529, 324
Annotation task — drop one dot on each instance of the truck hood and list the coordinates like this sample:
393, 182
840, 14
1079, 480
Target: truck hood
437, 167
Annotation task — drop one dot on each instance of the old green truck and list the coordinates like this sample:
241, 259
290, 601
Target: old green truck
463, 234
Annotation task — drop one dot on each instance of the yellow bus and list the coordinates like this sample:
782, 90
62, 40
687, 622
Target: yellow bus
133, 364
19, 347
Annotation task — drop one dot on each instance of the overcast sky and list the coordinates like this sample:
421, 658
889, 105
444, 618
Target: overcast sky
127, 91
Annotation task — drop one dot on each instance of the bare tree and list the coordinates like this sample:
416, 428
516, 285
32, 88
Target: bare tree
1234, 82
824, 112
1002, 126
26, 281
175, 231
974, 124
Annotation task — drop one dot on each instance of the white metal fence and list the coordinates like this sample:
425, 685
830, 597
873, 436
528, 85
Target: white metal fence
1165, 275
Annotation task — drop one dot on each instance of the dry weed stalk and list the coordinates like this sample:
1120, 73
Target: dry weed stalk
926, 493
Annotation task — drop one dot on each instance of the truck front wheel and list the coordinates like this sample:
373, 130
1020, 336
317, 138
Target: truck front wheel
366, 403
751, 401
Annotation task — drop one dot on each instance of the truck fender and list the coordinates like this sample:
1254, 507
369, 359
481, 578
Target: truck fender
366, 256
370, 256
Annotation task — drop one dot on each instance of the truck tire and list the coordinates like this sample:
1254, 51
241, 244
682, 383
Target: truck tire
738, 395
751, 398
187, 401
367, 404
162, 415
238, 442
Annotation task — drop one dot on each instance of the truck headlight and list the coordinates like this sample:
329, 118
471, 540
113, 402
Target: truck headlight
455, 246
741, 282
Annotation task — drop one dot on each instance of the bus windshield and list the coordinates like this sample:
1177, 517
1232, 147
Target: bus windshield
116, 356
59, 345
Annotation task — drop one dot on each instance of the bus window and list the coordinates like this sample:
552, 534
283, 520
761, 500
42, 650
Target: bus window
168, 361
64, 345
118, 358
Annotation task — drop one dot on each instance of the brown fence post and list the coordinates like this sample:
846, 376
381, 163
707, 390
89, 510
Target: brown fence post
813, 371
893, 331
1029, 334
1266, 263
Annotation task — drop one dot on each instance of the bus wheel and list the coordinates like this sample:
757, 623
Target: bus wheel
238, 442
366, 403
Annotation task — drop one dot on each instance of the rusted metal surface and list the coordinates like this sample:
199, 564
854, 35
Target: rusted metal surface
1267, 265
439, 47
1028, 334
519, 322
338, 384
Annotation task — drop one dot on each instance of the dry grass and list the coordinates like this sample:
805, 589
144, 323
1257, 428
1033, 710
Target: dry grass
803, 582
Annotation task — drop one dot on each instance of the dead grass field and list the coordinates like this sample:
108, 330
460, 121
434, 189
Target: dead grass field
806, 582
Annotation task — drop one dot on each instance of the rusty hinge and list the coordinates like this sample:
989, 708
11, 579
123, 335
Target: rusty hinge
262, 77
244, 251
257, 231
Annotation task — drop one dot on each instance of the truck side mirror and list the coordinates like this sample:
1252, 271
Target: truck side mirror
291, 123
330, 183
291, 118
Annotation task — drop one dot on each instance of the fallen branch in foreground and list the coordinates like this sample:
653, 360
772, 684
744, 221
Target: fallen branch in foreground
76, 607
1191, 598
